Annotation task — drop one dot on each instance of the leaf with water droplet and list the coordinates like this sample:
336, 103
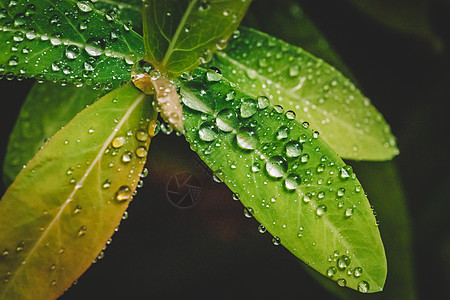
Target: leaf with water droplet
67, 43
283, 175
40, 117
181, 34
316, 91
47, 208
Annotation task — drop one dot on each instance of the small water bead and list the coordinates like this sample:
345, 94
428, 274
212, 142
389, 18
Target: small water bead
294, 70
331, 271
293, 149
81, 231
13, 61
256, 167
246, 138
263, 102
106, 184
300, 232
248, 212
213, 76
343, 262
307, 197
348, 212
126, 157
83, 25
346, 172
55, 21
290, 115
20, 247
124, 193
292, 181
320, 168
141, 135
321, 210
262, 228
235, 196
342, 282
166, 128
363, 287
340, 192
304, 158
144, 173
118, 142
278, 109
19, 20
208, 132
357, 272
248, 108
77, 210
276, 241
141, 152
5, 252
277, 166
72, 52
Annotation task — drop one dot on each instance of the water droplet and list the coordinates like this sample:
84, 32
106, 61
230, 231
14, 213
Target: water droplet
118, 142
363, 287
126, 157
357, 272
141, 152
226, 119
30, 10
349, 212
331, 271
343, 262
346, 172
53, 283
342, 282
321, 210
248, 108
304, 158
13, 61
81, 231
20, 246
248, 212
294, 70
106, 184
277, 166
124, 193
261, 228
292, 181
282, 133
213, 76
141, 135
246, 138
256, 167
5, 252
276, 241
263, 102
94, 46
84, 6
19, 20
208, 132
290, 115
293, 149
77, 210
72, 52
144, 173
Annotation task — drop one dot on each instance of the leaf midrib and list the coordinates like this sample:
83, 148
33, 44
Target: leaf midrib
78, 186
175, 37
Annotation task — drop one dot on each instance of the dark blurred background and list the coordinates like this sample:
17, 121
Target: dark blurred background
398, 53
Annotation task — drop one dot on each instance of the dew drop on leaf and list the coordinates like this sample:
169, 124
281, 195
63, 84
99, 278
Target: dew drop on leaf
357, 272
126, 157
248, 212
225, 120
141, 152
72, 52
277, 166
342, 282
363, 287
293, 149
292, 181
321, 210
343, 262
118, 142
246, 138
124, 193
276, 241
248, 108
208, 132
263, 102
84, 6
331, 271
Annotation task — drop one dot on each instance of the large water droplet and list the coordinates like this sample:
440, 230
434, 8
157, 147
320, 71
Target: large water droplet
246, 138
343, 262
124, 193
94, 47
208, 132
248, 108
72, 52
118, 142
331, 271
321, 210
226, 119
293, 149
277, 166
292, 181
357, 272
363, 287
84, 6
263, 102
141, 152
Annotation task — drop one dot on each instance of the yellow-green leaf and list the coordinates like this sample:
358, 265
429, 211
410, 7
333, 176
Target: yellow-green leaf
61, 210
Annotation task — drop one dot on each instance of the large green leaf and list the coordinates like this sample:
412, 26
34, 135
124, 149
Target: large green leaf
179, 34
47, 108
322, 96
288, 178
60, 210
65, 41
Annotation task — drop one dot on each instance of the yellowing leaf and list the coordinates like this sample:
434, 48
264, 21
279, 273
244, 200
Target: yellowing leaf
61, 210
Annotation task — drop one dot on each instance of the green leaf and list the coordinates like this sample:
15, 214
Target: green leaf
322, 96
179, 34
129, 12
65, 41
288, 178
47, 108
59, 212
